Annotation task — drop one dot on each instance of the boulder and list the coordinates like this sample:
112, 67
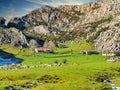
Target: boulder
42, 29
50, 45
33, 44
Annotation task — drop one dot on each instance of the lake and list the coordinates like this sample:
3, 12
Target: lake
8, 61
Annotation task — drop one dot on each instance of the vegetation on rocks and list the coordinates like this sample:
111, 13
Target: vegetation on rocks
94, 37
95, 24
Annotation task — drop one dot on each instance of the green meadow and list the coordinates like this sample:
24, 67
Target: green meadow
77, 74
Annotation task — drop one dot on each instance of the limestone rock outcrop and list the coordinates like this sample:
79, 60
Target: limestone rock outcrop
13, 36
42, 29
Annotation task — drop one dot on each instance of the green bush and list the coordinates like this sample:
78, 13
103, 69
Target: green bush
117, 24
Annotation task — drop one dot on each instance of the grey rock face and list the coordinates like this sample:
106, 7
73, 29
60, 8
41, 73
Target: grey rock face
33, 44
13, 36
109, 41
49, 14
50, 45
39, 16
42, 29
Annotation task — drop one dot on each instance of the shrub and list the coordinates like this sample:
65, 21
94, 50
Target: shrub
50, 79
117, 24
56, 62
64, 61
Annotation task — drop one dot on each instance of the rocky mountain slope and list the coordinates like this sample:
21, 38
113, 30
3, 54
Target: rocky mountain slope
13, 37
97, 22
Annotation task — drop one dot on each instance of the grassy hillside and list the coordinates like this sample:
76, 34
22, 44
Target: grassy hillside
72, 76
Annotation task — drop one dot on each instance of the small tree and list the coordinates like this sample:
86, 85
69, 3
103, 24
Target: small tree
64, 61
56, 62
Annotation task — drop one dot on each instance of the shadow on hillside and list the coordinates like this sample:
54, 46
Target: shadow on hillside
57, 56
4, 54
66, 52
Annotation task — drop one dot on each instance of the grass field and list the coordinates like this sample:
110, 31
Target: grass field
73, 76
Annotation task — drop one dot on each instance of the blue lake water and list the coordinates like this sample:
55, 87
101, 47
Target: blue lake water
8, 61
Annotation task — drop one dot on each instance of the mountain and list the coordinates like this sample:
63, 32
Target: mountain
97, 22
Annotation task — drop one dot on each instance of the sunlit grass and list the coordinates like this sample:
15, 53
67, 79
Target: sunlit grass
73, 75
